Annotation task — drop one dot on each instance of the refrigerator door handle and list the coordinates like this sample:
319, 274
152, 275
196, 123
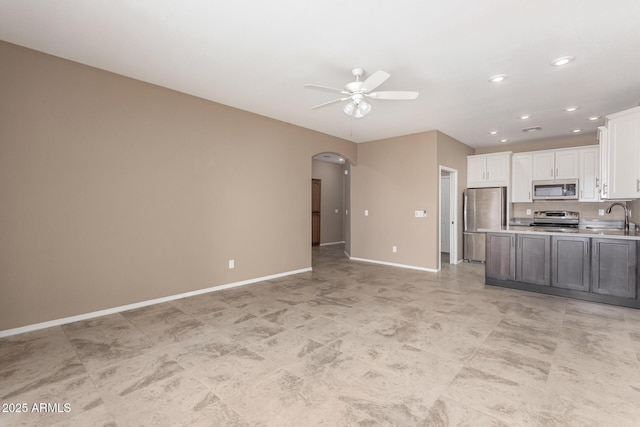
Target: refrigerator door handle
464, 211
503, 207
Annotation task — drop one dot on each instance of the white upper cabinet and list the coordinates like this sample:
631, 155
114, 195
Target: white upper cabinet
567, 164
581, 163
623, 155
589, 181
489, 170
521, 177
555, 164
544, 165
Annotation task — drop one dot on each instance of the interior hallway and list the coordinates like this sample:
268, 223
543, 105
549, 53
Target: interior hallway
347, 344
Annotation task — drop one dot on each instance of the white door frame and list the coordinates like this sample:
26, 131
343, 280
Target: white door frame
453, 215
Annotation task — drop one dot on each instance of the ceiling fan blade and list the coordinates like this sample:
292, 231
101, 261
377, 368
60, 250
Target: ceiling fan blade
326, 89
330, 102
375, 80
394, 94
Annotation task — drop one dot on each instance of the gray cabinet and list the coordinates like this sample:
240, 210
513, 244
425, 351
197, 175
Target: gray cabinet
570, 263
614, 267
597, 269
533, 259
500, 256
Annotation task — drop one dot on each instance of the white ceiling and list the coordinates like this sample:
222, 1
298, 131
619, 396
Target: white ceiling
257, 55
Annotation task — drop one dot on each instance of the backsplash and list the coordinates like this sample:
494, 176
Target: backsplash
587, 210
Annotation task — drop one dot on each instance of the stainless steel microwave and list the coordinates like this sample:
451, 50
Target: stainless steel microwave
557, 189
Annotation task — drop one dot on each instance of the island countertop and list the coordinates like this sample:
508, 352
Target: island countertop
580, 232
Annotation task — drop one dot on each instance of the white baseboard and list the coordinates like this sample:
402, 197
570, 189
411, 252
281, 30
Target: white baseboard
393, 264
332, 243
85, 316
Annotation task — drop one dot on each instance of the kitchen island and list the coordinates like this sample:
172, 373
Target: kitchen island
588, 264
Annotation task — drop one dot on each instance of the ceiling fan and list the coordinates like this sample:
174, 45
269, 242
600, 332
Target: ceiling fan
356, 92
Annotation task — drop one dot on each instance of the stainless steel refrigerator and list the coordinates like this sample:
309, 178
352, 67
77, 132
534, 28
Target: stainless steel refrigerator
484, 209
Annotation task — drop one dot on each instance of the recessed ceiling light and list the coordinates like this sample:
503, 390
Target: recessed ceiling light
562, 61
570, 109
594, 118
576, 130
497, 78
525, 116
504, 140
493, 132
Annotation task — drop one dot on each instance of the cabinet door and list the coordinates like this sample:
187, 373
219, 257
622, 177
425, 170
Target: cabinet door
500, 254
533, 259
476, 171
614, 267
498, 169
589, 181
521, 177
570, 263
543, 165
604, 162
567, 164
624, 152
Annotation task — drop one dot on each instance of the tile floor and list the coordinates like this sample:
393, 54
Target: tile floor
347, 344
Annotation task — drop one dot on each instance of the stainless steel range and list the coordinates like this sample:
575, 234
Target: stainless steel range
561, 221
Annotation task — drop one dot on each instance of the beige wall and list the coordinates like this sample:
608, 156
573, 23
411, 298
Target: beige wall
543, 144
116, 191
332, 198
453, 154
394, 178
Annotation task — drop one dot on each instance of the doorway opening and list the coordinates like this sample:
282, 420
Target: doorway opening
330, 188
448, 224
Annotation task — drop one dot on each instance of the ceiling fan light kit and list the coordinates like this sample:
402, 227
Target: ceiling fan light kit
357, 90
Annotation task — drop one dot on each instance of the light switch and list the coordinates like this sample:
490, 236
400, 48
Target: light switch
528, 211
601, 212
366, 212
337, 211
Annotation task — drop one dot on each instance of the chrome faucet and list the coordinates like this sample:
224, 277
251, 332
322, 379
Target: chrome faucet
626, 213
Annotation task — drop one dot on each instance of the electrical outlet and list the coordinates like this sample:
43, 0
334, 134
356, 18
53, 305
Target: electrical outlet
394, 249
366, 212
528, 211
336, 211
601, 212
232, 263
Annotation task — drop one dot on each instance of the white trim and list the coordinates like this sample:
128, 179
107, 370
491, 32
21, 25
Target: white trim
348, 256
453, 213
331, 243
113, 310
393, 264
459, 261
